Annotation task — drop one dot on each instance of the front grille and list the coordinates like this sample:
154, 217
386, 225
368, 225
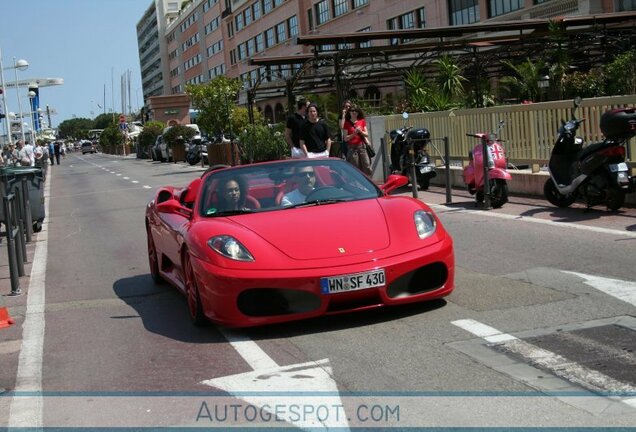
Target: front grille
261, 302
427, 278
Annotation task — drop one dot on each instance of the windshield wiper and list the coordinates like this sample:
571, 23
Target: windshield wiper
316, 202
232, 212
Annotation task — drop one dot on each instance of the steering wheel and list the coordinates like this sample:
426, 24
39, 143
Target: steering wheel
327, 193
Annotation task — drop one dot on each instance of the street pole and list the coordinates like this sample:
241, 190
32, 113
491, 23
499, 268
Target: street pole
17, 91
4, 102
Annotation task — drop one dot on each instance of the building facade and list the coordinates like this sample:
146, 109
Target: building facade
207, 38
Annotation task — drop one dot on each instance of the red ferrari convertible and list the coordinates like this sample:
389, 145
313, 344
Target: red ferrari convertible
287, 240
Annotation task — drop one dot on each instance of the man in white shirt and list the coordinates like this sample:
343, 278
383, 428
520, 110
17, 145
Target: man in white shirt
25, 154
305, 179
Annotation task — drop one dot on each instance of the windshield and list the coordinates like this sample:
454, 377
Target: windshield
282, 186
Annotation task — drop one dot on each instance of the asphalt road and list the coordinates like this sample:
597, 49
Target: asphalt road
539, 331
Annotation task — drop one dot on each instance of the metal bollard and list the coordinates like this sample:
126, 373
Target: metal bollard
486, 161
449, 195
26, 205
16, 265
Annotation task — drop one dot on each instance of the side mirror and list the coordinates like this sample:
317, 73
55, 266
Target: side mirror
393, 182
172, 206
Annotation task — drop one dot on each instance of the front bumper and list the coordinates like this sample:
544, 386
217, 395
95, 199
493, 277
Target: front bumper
242, 298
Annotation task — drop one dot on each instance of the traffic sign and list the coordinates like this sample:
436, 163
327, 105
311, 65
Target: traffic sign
122, 118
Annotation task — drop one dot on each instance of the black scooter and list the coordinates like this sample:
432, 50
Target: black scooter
596, 174
402, 140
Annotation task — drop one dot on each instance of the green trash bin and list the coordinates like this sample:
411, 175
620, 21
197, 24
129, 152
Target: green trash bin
11, 177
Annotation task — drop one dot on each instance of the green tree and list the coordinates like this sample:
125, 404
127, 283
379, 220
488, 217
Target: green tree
216, 102
260, 143
103, 121
149, 135
621, 74
449, 77
176, 132
584, 84
110, 139
74, 128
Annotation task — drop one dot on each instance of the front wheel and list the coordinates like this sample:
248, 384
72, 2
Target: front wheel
192, 293
555, 197
615, 198
153, 259
498, 193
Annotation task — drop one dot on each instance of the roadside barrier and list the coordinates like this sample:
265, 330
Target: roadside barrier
22, 213
5, 318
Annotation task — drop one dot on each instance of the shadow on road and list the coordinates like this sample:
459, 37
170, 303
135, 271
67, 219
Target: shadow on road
163, 310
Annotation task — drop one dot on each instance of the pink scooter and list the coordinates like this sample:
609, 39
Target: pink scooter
498, 173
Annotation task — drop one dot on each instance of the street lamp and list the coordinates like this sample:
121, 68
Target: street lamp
21, 65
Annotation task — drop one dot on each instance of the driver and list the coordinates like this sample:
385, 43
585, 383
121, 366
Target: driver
305, 179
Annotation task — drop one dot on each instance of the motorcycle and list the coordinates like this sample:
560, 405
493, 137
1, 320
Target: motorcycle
197, 150
498, 174
597, 173
401, 142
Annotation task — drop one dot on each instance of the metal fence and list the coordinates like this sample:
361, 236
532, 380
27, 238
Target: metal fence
530, 129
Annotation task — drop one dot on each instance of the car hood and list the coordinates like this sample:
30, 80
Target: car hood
324, 231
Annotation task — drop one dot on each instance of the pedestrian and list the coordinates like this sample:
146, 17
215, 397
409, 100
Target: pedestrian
57, 150
51, 147
293, 126
10, 155
314, 135
25, 154
356, 135
342, 117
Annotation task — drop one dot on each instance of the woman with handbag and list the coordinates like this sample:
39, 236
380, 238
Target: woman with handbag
357, 140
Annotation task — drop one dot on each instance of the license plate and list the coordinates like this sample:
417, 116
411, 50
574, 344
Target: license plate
425, 169
352, 282
618, 167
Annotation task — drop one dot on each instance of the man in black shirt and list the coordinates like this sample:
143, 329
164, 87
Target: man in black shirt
293, 126
314, 136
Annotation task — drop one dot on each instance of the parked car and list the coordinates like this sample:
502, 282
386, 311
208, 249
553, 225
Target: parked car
88, 147
157, 152
270, 259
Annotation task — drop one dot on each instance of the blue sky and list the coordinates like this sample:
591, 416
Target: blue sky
88, 43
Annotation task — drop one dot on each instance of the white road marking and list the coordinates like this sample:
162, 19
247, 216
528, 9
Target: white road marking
135, 181
620, 289
28, 411
282, 381
147, 187
126, 178
540, 221
557, 364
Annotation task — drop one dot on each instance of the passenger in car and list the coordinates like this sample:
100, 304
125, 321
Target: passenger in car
305, 179
233, 194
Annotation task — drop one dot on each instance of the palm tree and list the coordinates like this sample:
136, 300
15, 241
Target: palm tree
524, 82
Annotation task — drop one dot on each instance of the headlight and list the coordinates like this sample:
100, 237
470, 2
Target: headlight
230, 247
424, 223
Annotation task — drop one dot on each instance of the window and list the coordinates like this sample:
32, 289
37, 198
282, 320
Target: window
322, 12
270, 39
250, 47
360, 3
239, 22
409, 20
248, 16
292, 25
281, 32
260, 43
365, 44
268, 6
340, 7
256, 10
463, 11
310, 19
626, 5
208, 4
502, 7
